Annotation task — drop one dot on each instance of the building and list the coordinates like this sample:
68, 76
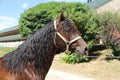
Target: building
111, 5
10, 37
105, 5
88, 1
10, 34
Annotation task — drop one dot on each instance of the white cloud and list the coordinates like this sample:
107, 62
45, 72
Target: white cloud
6, 22
24, 5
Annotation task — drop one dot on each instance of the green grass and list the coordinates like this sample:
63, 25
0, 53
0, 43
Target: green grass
5, 50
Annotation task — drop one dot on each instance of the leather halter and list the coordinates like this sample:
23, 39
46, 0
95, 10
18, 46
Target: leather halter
67, 42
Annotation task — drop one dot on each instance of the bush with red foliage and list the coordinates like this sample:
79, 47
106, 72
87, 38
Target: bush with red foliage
115, 41
110, 30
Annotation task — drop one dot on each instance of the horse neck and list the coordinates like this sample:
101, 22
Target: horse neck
44, 49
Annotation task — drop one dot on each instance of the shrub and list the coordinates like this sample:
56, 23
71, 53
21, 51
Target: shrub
72, 58
36, 17
110, 27
32, 21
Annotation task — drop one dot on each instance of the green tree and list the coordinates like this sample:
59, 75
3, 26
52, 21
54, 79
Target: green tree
31, 22
36, 17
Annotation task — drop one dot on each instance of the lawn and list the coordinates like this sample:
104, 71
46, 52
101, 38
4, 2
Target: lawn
5, 50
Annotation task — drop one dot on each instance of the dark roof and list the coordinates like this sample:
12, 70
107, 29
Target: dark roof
97, 3
9, 29
11, 38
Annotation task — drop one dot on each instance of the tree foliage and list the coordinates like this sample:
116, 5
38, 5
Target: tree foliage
36, 17
72, 58
31, 22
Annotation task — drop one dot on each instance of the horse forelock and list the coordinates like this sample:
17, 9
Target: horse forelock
69, 27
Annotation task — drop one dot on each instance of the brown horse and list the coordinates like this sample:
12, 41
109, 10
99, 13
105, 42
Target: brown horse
32, 59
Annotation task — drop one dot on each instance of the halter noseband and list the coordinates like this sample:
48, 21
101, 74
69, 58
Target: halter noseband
67, 42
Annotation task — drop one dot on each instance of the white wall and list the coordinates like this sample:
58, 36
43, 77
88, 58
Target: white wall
112, 6
10, 44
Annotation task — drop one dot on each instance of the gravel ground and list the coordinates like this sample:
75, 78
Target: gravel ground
60, 75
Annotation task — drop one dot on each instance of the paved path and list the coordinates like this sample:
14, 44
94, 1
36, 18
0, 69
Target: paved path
59, 75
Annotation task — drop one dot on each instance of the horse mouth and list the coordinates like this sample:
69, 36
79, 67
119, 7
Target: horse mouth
80, 52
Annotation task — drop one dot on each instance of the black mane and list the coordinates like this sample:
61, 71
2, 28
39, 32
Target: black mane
34, 48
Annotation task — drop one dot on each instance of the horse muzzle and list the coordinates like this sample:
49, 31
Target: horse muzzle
81, 51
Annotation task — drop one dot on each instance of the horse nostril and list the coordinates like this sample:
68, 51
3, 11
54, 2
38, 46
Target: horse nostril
86, 49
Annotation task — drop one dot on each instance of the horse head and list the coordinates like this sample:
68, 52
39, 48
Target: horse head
67, 36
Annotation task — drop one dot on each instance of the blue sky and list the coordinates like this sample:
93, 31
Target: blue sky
10, 10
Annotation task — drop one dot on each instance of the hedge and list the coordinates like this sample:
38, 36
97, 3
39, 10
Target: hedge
35, 18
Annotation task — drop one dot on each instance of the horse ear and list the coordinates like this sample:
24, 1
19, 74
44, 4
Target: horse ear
61, 17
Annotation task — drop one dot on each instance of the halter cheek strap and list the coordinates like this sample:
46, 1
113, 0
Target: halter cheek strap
67, 42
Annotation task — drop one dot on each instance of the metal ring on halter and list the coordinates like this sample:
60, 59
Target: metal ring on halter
64, 39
